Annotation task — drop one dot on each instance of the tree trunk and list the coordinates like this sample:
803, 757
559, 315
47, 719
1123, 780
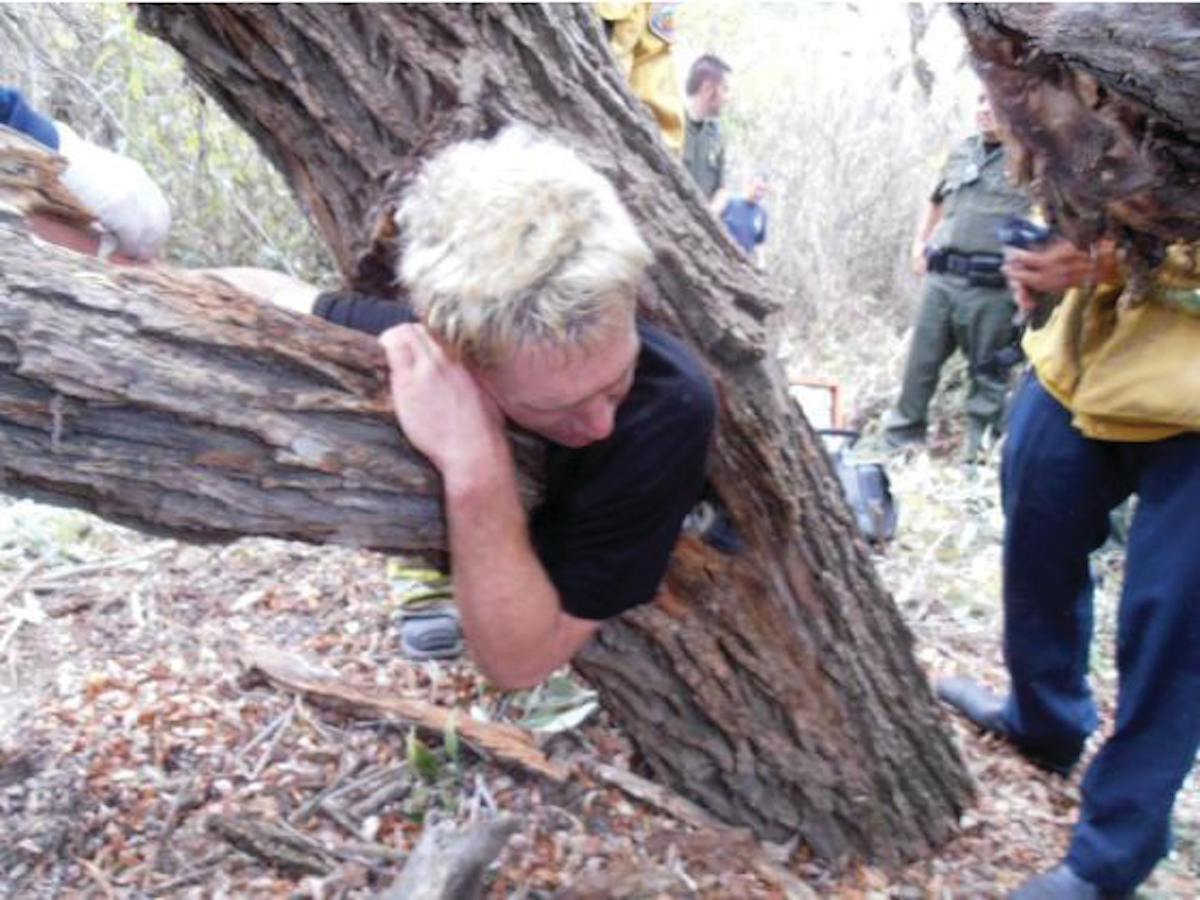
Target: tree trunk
777, 687
1102, 107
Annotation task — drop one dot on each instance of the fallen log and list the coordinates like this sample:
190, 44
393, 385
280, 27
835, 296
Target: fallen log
171, 402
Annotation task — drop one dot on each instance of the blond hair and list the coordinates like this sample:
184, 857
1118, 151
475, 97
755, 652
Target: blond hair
515, 242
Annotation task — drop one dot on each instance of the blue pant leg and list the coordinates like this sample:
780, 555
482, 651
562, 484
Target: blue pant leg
1057, 487
1128, 792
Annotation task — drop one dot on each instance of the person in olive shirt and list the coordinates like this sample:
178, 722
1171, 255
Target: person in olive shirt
966, 303
707, 90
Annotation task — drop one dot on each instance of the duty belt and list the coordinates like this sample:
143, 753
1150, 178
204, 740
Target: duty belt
978, 268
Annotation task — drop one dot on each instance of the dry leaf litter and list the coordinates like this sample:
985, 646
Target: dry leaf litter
137, 759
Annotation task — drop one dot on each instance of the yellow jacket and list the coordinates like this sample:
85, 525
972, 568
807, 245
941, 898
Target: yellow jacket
640, 35
1131, 375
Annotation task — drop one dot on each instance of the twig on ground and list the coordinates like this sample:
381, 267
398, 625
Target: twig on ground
202, 870
97, 875
288, 850
352, 851
30, 613
347, 768
87, 569
392, 789
281, 726
656, 795
325, 688
481, 797
20, 581
338, 816
190, 798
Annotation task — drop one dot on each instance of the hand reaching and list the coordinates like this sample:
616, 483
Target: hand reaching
442, 409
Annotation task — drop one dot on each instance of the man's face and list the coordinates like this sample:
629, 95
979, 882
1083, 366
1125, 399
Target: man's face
571, 397
715, 94
985, 119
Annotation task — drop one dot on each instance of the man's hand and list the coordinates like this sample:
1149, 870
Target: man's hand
441, 407
510, 611
917, 258
719, 201
1055, 268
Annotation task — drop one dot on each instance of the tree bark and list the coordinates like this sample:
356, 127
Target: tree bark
777, 687
1102, 108
161, 399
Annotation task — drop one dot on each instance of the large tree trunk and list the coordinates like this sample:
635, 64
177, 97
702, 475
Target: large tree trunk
778, 686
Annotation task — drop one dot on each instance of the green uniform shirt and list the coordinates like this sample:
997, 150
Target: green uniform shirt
976, 196
704, 154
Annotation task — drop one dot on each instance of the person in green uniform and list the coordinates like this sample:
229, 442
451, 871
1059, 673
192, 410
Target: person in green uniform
706, 90
966, 304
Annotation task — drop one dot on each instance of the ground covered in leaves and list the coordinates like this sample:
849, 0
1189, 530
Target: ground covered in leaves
139, 758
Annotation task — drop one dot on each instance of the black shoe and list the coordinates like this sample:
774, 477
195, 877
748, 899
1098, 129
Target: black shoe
1060, 883
984, 709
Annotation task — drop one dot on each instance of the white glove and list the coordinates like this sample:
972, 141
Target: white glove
118, 190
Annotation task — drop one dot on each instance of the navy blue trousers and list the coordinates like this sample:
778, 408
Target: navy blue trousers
1058, 488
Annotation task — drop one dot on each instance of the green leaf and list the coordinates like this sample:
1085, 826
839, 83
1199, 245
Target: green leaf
422, 759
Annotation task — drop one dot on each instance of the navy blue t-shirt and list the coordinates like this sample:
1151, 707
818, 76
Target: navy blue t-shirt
612, 511
746, 222
16, 113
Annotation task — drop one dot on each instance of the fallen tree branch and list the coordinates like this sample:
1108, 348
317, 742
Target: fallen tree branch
659, 797
87, 569
210, 415
320, 687
448, 863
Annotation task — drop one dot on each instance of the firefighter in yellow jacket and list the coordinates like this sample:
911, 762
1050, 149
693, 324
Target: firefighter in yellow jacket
641, 35
1111, 409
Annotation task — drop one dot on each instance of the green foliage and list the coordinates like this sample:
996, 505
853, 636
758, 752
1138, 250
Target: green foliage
87, 65
422, 760
558, 704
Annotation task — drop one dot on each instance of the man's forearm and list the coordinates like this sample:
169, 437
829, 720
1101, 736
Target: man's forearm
933, 215
511, 615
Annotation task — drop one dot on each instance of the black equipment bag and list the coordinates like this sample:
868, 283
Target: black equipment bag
865, 485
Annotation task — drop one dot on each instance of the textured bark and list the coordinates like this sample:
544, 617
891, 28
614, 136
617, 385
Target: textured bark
449, 863
777, 687
1102, 105
163, 400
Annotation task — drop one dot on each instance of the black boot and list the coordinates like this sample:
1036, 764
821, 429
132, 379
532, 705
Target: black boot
984, 709
1060, 883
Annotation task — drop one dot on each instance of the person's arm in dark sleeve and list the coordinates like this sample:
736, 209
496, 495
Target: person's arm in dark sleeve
373, 315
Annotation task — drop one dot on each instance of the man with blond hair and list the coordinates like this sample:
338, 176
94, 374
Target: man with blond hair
522, 270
